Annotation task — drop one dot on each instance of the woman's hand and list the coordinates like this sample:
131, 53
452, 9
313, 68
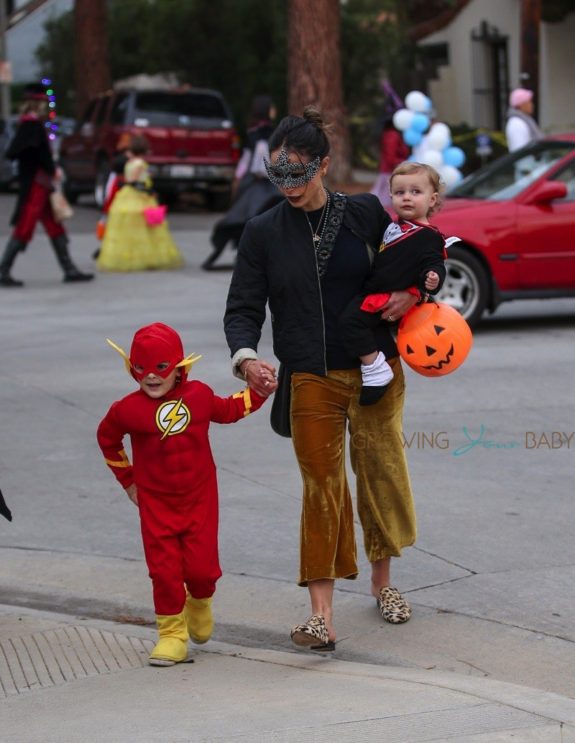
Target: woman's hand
260, 376
132, 492
399, 303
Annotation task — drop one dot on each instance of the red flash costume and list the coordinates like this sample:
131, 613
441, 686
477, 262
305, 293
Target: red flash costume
173, 467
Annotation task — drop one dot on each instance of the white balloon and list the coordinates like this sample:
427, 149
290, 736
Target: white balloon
402, 119
450, 175
416, 101
432, 157
439, 136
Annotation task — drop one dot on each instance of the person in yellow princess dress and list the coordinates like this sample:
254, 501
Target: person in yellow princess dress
130, 243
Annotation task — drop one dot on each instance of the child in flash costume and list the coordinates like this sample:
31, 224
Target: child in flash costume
172, 480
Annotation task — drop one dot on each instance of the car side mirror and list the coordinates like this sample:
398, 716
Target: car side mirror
546, 192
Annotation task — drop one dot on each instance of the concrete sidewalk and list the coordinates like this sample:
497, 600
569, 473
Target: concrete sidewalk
71, 679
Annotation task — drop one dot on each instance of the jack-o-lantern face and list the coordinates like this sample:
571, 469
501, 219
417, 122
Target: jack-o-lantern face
434, 339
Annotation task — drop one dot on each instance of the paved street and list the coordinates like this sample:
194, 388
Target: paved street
491, 452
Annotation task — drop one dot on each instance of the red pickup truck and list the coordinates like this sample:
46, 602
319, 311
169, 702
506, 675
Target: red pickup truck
194, 145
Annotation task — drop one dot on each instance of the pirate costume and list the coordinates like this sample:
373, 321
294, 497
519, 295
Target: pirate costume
36, 170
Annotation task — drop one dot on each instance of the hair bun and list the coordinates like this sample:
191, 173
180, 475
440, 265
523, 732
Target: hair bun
313, 116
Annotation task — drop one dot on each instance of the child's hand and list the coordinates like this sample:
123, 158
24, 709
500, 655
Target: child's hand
132, 493
431, 280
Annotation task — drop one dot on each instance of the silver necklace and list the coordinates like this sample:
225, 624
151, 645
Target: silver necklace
317, 235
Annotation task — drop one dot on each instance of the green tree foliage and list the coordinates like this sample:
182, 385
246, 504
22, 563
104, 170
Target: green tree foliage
240, 49
375, 47
235, 47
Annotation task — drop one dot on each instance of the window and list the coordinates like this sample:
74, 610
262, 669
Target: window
88, 113
510, 175
490, 76
101, 112
567, 176
177, 109
119, 108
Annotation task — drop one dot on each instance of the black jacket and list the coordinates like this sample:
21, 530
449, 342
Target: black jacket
406, 261
277, 265
31, 148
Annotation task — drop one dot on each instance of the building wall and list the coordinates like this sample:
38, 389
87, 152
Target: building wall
556, 88
452, 92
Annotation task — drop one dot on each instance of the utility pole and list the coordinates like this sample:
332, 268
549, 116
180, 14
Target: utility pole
530, 31
5, 75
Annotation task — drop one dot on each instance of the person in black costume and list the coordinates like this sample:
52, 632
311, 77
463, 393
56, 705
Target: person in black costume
37, 175
254, 193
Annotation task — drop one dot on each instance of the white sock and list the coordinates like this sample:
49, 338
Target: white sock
377, 374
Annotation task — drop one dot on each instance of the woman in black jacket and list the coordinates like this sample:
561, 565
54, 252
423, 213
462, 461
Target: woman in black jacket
306, 258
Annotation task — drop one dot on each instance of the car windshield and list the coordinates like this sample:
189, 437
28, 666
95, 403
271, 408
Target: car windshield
511, 174
178, 109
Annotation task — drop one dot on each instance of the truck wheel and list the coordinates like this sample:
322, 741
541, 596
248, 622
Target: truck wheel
466, 286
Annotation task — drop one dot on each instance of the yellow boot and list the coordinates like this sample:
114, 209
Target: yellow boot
199, 619
172, 646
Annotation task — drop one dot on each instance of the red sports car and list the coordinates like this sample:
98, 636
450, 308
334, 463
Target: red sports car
516, 221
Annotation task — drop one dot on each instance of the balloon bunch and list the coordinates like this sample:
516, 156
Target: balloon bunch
434, 148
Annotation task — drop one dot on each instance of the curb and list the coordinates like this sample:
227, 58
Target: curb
552, 707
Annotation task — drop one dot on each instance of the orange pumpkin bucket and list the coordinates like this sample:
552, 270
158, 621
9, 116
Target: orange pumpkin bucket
434, 339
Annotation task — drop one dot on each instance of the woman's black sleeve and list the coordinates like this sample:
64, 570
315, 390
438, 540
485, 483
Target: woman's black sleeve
248, 294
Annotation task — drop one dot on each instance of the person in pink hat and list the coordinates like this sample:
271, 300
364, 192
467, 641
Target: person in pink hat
521, 128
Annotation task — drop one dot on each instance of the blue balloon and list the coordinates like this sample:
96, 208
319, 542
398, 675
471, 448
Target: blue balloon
454, 156
428, 103
420, 122
412, 137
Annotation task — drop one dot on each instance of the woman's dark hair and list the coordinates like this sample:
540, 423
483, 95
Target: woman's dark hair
261, 108
303, 134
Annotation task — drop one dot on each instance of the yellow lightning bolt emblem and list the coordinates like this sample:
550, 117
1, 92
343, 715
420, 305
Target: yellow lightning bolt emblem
169, 415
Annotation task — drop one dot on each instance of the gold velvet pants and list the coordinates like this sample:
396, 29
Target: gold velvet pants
321, 410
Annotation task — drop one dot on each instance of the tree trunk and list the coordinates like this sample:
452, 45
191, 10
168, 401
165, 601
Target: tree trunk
314, 74
91, 61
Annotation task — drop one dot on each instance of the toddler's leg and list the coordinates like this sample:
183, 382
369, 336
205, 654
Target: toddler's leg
163, 557
374, 380
201, 565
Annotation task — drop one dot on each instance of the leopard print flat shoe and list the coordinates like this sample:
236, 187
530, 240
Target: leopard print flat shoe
312, 634
392, 606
